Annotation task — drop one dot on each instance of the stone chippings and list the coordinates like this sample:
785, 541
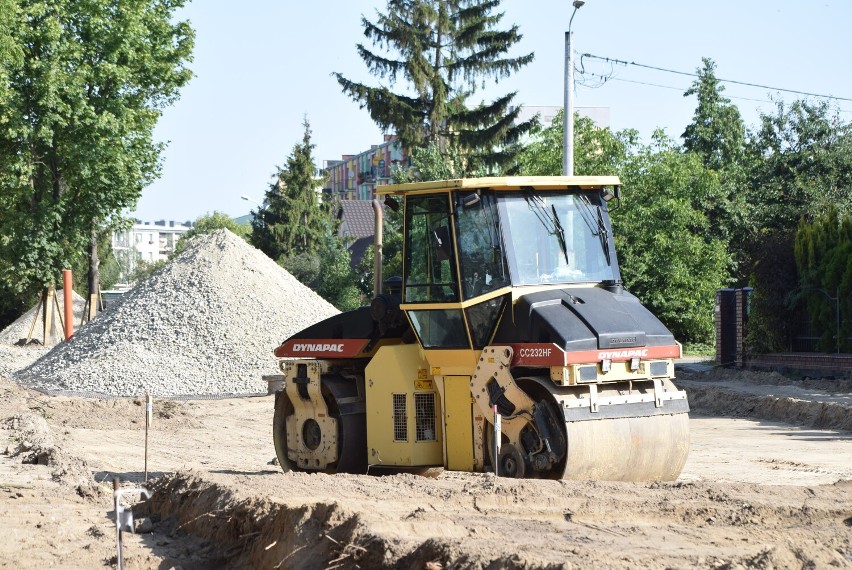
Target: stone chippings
205, 324
21, 327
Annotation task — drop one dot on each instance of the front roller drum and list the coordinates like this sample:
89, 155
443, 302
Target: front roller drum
644, 448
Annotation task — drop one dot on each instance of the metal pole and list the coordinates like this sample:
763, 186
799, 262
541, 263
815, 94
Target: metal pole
377, 248
837, 316
149, 413
497, 432
116, 497
568, 129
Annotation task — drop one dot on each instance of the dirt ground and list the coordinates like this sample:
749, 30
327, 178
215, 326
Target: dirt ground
756, 492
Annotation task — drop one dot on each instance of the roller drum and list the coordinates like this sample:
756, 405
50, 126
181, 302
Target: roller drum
650, 448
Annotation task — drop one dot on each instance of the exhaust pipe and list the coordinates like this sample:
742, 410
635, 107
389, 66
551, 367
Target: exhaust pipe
377, 248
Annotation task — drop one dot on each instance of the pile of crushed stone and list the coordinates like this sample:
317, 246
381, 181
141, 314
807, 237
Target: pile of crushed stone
16, 357
204, 324
19, 329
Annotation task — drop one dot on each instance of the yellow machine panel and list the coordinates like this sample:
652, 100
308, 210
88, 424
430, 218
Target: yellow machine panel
404, 416
459, 423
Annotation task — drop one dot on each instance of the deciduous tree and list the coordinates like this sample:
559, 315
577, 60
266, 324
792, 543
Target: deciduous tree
801, 165
597, 151
669, 256
209, 223
76, 132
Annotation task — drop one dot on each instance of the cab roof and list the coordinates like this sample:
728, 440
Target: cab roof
502, 183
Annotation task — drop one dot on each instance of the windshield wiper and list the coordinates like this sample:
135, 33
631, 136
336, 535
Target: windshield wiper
604, 235
597, 228
560, 234
549, 219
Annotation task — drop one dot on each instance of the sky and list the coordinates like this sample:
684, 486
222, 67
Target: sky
262, 66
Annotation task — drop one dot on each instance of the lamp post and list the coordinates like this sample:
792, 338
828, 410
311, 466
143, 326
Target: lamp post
260, 206
568, 123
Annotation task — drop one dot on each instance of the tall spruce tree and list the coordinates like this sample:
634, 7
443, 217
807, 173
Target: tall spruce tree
293, 222
444, 50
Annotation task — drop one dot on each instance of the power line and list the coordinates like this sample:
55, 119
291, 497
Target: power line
605, 78
747, 84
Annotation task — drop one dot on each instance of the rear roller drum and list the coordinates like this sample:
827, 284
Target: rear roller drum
344, 405
283, 408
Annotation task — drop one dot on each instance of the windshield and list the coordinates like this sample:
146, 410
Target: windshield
556, 237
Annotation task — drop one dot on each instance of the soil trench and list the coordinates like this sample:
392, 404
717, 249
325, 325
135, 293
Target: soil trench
756, 492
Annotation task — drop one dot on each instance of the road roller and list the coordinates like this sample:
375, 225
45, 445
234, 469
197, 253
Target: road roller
508, 344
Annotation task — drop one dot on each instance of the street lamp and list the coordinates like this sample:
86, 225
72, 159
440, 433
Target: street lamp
568, 123
260, 206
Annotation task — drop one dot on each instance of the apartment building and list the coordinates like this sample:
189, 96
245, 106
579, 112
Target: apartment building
148, 242
355, 176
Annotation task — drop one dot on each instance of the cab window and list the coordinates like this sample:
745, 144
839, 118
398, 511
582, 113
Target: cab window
430, 264
481, 258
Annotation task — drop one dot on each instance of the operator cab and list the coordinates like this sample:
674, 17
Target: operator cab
468, 243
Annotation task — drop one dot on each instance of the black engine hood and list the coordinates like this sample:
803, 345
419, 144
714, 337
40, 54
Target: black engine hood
583, 318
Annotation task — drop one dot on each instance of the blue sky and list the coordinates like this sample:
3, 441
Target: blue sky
263, 65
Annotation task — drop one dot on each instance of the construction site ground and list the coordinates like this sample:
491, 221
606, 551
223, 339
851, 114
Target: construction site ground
768, 484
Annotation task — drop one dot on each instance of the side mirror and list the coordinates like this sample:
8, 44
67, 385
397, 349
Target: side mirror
391, 203
608, 194
470, 200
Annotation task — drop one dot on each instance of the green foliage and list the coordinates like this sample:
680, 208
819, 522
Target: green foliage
144, 269
717, 132
800, 165
444, 50
700, 349
717, 136
109, 270
337, 283
432, 162
295, 229
597, 151
391, 254
208, 224
798, 173
669, 257
823, 252
327, 271
293, 223
772, 317
84, 86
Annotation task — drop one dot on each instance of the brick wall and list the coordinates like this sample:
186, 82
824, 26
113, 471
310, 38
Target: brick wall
803, 361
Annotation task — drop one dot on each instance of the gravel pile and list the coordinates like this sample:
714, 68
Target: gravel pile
15, 357
205, 324
21, 327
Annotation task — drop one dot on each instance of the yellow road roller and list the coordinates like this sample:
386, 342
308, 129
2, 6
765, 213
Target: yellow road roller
508, 344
